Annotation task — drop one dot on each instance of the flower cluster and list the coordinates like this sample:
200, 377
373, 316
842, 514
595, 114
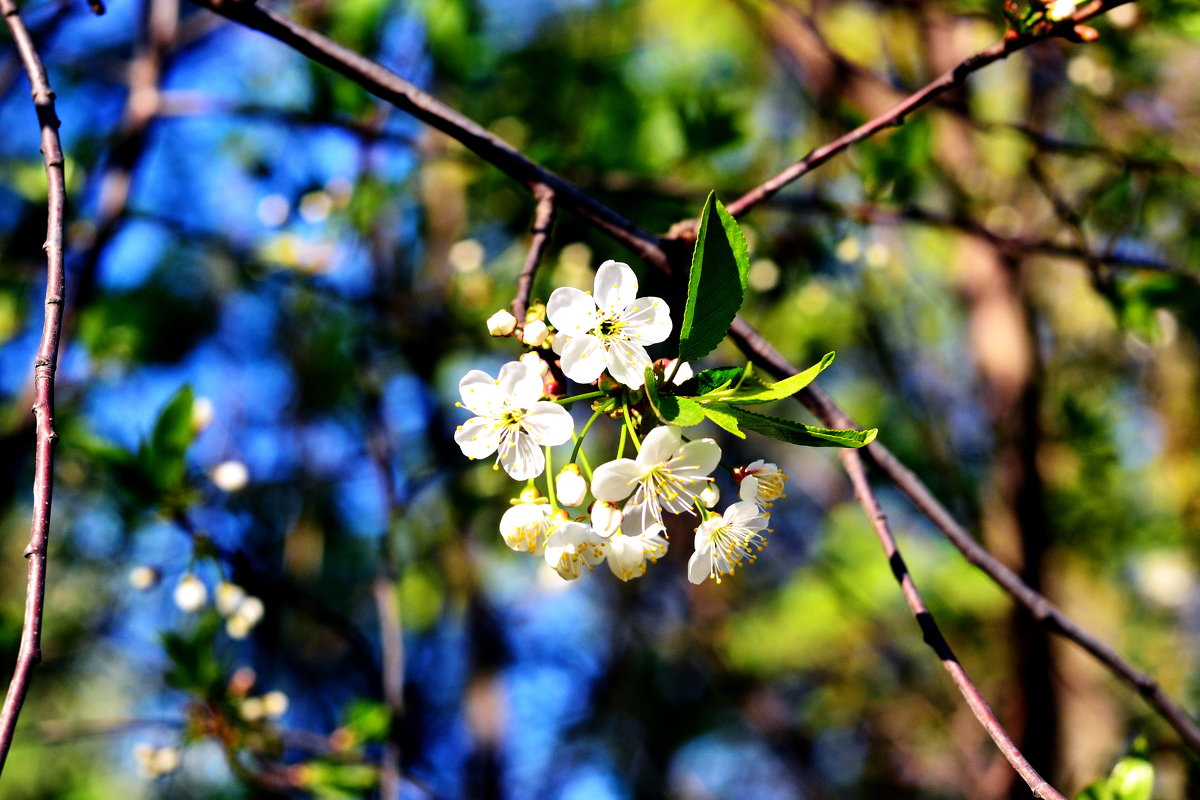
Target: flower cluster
598, 339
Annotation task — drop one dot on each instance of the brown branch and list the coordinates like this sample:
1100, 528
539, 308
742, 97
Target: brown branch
933, 635
389, 86
951, 79
543, 221
1011, 245
1046, 613
45, 364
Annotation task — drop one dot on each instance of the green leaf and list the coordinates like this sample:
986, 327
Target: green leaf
723, 419
165, 455
1132, 779
368, 720
786, 430
717, 282
774, 391
682, 411
719, 378
1097, 790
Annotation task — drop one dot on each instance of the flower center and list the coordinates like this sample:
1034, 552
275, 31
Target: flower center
609, 329
732, 547
510, 418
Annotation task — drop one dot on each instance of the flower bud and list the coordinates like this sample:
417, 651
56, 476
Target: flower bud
536, 311
229, 596
143, 578
252, 709
606, 518
570, 486
535, 333
275, 704
190, 594
536, 361
202, 414
710, 495
241, 681
230, 476
502, 323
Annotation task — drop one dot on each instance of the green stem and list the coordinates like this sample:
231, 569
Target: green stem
588, 396
674, 371
621, 444
579, 439
550, 481
637, 443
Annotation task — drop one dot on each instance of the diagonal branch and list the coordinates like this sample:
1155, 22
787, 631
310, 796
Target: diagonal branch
389, 86
45, 363
543, 221
895, 116
1050, 616
933, 635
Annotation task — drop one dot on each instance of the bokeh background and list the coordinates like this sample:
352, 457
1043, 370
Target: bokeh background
271, 268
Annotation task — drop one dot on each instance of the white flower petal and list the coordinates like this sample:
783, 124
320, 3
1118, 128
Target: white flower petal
703, 454
583, 359
521, 458
699, 568
647, 321
749, 488
520, 385
626, 557
571, 311
616, 286
660, 445
478, 437
640, 517
627, 363
480, 393
548, 423
523, 526
615, 480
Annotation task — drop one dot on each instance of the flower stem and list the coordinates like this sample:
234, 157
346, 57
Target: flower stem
550, 480
621, 444
587, 396
637, 444
582, 434
674, 372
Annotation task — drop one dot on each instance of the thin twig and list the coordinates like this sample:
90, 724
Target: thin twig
933, 635
45, 364
1007, 244
895, 116
1045, 612
543, 221
389, 86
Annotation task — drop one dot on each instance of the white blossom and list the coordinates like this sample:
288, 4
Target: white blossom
230, 476
511, 418
524, 526
682, 375
228, 597
606, 518
275, 704
535, 333
502, 323
726, 542
627, 555
609, 328
1060, 9
570, 486
144, 577
762, 483
573, 545
668, 474
190, 593
710, 496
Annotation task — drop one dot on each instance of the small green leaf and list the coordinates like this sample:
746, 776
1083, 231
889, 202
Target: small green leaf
165, 455
1097, 790
1132, 779
716, 284
682, 411
723, 419
774, 391
720, 378
786, 430
368, 720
